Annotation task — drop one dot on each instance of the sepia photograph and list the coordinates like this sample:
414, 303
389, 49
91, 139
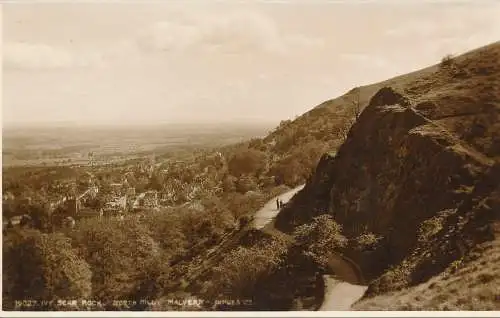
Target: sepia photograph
230, 157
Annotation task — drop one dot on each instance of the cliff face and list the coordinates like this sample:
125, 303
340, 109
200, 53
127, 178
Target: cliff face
396, 169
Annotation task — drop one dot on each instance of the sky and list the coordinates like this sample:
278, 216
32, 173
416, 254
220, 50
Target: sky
217, 61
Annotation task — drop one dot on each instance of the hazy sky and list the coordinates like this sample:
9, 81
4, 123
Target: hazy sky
216, 61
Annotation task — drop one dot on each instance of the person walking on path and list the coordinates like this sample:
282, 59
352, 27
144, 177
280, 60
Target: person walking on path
277, 204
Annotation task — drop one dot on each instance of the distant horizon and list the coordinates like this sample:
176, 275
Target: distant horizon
70, 124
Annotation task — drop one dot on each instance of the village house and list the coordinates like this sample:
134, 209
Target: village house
116, 206
116, 188
85, 212
8, 196
146, 200
17, 220
73, 206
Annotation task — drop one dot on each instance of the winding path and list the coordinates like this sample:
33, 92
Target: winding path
344, 288
340, 295
268, 212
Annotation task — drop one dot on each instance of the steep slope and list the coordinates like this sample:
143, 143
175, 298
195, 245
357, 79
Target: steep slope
415, 169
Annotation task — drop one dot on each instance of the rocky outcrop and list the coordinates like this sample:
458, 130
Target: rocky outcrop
396, 170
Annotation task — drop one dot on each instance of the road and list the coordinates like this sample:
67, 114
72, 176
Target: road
340, 295
344, 288
268, 212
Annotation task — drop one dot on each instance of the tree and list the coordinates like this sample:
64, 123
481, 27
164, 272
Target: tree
288, 171
120, 253
356, 104
246, 183
247, 161
40, 216
353, 113
155, 182
166, 229
257, 143
43, 267
286, 139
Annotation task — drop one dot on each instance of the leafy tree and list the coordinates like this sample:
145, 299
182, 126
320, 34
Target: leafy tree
355, 110
247, 161
166, 229
287, 171
120, 253
218, 213
242, 204
43, 267
286, 140
40, 216
155, 182
257, 143
246, 183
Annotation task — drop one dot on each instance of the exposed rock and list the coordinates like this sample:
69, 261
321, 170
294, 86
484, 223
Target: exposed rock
396, 169
388, 96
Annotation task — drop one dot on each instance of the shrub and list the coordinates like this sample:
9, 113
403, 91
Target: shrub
366, 241
429, 228
238, 274
242, 204
320, 237
447, 61
396, 278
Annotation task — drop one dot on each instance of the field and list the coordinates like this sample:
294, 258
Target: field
65, 145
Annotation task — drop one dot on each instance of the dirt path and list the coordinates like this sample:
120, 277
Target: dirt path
267, 213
